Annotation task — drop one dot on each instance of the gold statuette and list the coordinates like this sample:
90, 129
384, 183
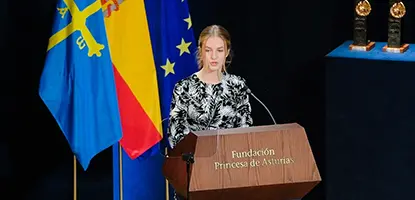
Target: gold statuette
397, 12
360, 41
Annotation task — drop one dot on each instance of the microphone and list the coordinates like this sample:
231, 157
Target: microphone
252, 94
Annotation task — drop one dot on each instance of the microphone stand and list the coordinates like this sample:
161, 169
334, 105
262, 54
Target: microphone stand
189, 159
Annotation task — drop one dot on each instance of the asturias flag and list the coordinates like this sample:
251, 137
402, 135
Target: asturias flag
77, 84
152, 47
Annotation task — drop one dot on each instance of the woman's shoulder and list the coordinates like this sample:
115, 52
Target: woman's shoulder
237, 84
233, 79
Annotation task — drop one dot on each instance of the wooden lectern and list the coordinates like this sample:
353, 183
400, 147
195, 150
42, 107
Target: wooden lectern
272, 162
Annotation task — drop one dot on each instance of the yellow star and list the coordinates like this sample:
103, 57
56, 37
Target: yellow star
189, 22
168, 68
184, 47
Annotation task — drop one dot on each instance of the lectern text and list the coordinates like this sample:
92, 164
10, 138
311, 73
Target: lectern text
269, 159
253, 153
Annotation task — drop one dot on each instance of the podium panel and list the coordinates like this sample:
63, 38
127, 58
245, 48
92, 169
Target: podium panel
264, 162
370, 114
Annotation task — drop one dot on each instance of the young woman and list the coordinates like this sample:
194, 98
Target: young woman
210, 98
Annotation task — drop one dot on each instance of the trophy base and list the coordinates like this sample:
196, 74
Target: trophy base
401, 49
368, 47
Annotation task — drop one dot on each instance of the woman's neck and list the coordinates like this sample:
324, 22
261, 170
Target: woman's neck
209, 76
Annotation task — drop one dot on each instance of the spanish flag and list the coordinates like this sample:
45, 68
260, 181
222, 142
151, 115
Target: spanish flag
135, 75
152, 46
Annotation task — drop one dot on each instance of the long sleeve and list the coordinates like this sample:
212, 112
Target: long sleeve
177, 128
243, 111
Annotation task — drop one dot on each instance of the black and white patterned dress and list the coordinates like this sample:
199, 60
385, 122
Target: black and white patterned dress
197, 106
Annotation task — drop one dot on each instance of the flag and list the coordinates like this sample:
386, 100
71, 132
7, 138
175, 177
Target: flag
77, 83
152, 46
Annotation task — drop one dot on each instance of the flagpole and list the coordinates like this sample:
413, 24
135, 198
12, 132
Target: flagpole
74, 177
167, 182
120, 170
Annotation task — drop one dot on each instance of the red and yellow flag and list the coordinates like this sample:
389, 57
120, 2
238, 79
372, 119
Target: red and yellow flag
135, 75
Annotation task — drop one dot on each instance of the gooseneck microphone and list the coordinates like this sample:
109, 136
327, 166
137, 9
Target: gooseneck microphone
252, 94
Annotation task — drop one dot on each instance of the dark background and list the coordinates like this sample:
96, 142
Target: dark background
279, 49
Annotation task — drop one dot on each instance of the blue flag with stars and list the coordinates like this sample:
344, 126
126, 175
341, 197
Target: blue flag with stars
174, 49
77, 84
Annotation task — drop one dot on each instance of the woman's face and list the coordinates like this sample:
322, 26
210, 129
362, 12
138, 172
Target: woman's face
214, 53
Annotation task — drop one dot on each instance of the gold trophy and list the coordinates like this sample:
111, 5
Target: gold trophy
360, 41
396, 12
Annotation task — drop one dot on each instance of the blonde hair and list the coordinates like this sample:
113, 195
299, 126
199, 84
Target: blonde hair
212, 31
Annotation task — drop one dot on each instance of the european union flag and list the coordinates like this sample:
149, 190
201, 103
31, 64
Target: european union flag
77, 83
174, 46
174, 50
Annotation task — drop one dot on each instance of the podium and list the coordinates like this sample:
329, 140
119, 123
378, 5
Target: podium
272, 162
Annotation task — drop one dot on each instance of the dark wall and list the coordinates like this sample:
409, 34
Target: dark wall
279, 48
